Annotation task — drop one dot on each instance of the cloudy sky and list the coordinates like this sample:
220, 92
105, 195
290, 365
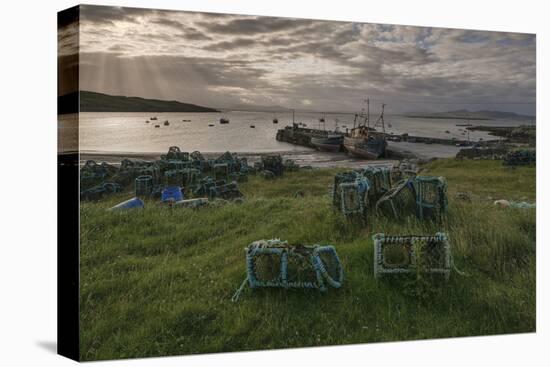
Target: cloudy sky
224, 60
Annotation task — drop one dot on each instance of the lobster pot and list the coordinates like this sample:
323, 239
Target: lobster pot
409, 254
178, 164
226, 191
190, 176
520, 158
380, 183
99, 191
220, 171
399, 202
431, 196
143, 185
352, 197
274, 263
273, 163
202, 188
174, 153
238, 176
173, 177
154, 171
344, 177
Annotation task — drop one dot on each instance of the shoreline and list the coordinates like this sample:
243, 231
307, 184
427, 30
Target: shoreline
311, 158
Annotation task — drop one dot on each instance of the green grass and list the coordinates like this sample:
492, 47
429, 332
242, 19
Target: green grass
159, 281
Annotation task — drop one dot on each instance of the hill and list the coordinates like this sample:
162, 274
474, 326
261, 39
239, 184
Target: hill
470, 115
99, 102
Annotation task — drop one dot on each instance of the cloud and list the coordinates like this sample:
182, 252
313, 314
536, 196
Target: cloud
217, 59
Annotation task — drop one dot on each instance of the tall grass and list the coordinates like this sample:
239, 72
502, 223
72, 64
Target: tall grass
159, 281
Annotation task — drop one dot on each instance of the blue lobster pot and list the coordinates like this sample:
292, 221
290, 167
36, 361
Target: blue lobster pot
172, 193
133, 203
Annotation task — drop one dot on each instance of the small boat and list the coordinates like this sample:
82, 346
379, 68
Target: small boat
210, 125
275, 121
329, 143
185, 120
157, 125
252, 126
147, 121
224, 120
153, 118
166, 123
447, 132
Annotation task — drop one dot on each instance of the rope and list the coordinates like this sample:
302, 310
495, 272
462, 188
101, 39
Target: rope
238, 292
461, 273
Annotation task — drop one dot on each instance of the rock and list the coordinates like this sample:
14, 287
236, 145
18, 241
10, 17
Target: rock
502, 203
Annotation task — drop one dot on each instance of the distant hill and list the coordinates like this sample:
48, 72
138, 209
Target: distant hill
99, 102
470, 115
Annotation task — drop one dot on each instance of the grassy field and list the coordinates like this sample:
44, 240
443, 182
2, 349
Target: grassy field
159, 281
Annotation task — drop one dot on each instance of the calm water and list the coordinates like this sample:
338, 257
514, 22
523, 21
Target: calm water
128, 132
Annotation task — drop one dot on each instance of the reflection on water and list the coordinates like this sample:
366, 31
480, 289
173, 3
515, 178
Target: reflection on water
128, 132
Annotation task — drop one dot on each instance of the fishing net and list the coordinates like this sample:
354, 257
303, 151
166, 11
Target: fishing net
380, 182
352, 198
399, 201
273, 163
99, 191
174, 153
290, 165
92, 173
520, 158
423, 196
152, 170
182, 177
228, 191
275, 263
220, 171
431, 197
143, 185
344, 177
408, 254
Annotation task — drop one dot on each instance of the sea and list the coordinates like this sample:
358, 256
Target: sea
251, 132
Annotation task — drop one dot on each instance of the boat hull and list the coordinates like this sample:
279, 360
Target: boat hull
332, 144
359, 148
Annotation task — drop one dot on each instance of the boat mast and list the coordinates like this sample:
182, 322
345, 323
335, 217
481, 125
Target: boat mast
368, 113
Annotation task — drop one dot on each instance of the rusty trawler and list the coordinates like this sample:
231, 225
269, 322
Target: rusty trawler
365, 141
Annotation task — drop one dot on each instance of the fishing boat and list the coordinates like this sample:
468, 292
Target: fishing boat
224, 120
252, 126
365, 141
157, 125
328, 143
153, 118
166, 123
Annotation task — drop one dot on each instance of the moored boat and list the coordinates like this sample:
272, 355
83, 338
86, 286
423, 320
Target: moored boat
365, 141
329, 143
372, 147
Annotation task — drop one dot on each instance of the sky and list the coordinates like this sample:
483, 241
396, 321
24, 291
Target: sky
221, 61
